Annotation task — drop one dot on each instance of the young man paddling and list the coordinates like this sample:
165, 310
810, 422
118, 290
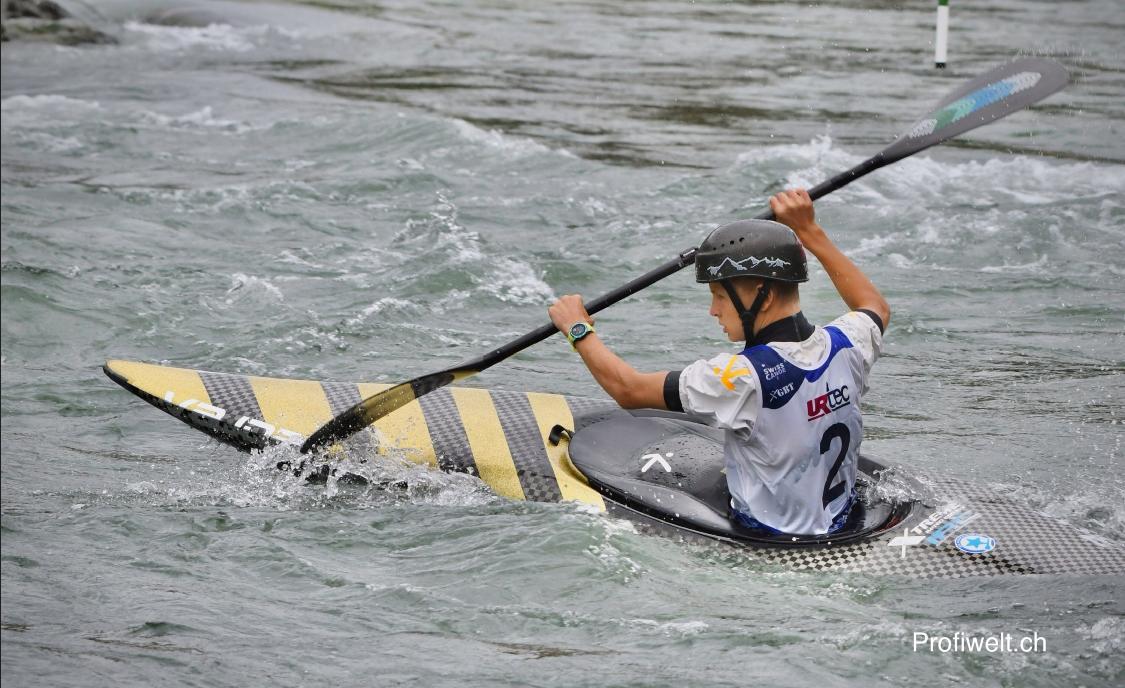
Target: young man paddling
790, 400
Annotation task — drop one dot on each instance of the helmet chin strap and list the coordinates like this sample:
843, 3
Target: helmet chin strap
747, 315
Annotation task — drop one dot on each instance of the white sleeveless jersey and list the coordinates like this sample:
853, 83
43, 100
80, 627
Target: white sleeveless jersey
791, 412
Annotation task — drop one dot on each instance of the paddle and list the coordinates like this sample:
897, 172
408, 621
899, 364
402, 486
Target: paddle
987, 98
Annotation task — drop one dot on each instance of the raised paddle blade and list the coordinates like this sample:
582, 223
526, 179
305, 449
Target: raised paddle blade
987, 98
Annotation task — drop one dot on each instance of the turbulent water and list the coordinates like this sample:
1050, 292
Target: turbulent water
370, 191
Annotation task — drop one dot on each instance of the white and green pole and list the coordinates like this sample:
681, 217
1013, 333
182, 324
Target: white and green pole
942, 40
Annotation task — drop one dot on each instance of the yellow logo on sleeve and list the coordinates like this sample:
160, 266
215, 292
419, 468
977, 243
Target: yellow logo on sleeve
728, 374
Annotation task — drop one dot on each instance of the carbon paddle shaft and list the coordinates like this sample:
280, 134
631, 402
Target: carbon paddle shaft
987, 98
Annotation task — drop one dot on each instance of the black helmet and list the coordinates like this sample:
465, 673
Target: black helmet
751, 248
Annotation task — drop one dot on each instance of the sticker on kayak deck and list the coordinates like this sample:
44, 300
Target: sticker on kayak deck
974, 543
944, 522
251, 426
906, 540
656, 458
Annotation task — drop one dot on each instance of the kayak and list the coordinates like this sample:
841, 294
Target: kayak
663, 471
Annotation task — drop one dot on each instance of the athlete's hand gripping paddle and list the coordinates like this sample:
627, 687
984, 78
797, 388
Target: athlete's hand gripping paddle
995, 94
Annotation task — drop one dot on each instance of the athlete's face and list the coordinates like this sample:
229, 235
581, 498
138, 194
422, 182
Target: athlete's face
723, 309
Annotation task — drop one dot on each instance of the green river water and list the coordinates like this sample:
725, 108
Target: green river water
375, 190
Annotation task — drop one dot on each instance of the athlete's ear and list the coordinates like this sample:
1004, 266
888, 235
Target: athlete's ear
771, 296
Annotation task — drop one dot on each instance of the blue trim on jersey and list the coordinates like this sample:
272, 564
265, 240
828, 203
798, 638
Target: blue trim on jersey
840, 342
779, 378
837, 522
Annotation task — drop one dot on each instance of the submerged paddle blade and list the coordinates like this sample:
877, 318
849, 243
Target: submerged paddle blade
379, 405
995, 94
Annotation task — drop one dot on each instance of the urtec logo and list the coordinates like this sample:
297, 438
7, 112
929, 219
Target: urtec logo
828, 402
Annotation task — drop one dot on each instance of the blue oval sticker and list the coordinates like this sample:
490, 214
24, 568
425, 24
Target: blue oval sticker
975, 543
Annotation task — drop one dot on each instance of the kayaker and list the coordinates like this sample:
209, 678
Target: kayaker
790, 400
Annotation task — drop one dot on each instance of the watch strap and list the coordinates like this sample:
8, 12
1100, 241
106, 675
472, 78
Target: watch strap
574, 340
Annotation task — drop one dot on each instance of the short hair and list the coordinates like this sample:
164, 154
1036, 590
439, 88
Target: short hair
786, 291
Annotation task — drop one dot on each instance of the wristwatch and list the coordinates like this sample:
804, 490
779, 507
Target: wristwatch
577, 331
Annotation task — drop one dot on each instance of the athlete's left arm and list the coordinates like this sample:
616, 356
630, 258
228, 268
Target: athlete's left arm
795, 209
629, 387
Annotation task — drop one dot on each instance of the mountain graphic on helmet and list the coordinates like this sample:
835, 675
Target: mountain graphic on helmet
741, 265
751, 248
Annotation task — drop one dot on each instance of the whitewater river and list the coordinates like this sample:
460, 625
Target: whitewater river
362, 191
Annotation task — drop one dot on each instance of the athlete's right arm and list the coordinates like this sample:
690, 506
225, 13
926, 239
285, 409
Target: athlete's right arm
795, 209
627, 386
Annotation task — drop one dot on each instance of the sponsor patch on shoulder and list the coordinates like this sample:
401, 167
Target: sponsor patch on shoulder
728, 374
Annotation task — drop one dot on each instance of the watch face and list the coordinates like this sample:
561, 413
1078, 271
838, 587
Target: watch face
578, 329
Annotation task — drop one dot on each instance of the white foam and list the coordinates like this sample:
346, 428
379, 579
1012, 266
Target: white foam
514, 281
1028, 180
430, 332
465, 242
681, 628
47, 101
1024, 179
289, 257
1035, 266
865, 634
383, 304
54, 144
505, 278
820, 156
202, 118
462, 242
220, 37
1107, 636
874, 244
240, 281
899, 261
896, 484
516, 147
215, 199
